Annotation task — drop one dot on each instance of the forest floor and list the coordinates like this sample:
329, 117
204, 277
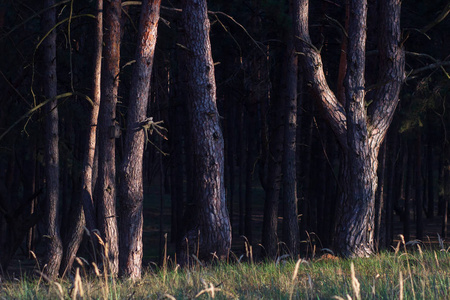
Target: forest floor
407, 273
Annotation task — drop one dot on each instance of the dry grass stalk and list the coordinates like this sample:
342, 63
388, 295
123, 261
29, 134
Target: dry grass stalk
355, 283
401, 286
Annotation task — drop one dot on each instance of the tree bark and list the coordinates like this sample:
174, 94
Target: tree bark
52, 227
131, 193
418, 184
107, 124
274, 178
85, 209
291, 229
211, 231
360, 131
89, 158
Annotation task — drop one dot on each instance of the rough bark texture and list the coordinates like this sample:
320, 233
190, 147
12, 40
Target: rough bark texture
291, 232
106, 197
54, 244
131, 193
210, 233
360, 131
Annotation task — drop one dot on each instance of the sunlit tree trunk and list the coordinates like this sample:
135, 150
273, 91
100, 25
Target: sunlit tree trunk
85, 211
210, 234
52, 232
107, 125
359, 129
131, 192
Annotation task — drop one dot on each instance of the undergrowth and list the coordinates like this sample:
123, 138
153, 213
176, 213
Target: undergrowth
407, 272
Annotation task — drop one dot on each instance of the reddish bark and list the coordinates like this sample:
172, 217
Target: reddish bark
131, 193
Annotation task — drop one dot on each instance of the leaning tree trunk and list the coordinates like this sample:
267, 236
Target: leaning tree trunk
89, 158
359, 130
54, 244
131, 192
107, 125
85, 211
211, 234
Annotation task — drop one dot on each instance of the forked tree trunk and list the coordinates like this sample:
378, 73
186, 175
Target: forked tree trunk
54, 245
210, 234
360, 130
131, 193
106, 197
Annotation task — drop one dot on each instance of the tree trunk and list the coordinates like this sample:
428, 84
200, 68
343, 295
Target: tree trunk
272, 189
446, 187
85, 210
430, 176
379, 200
408, 167
107, 126
291, 232
359, 130
242, 162
131, 192
54, 244
89, 156
210, 234
418, 184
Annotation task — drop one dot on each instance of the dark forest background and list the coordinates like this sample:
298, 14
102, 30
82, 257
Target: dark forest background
249, 41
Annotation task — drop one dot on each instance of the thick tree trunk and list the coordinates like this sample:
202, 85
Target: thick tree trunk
355, 223
210, 234
359, 130
291, 232
131, 193
54, 244
107, 218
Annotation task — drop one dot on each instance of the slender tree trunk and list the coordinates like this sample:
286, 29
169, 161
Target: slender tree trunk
242, 162
251, 159
430, 177
54, 244
446, 185
107, 127
408, 168
89, 156
418, 184
131, 192
274, 181
291, 230
85, 210
211, 233
379, 198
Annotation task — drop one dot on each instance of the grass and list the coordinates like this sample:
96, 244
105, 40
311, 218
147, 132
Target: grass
406, 273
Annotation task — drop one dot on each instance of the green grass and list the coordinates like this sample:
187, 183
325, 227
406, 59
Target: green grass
389, 275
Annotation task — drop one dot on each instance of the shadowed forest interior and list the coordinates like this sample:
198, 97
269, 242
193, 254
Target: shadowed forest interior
264, 136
